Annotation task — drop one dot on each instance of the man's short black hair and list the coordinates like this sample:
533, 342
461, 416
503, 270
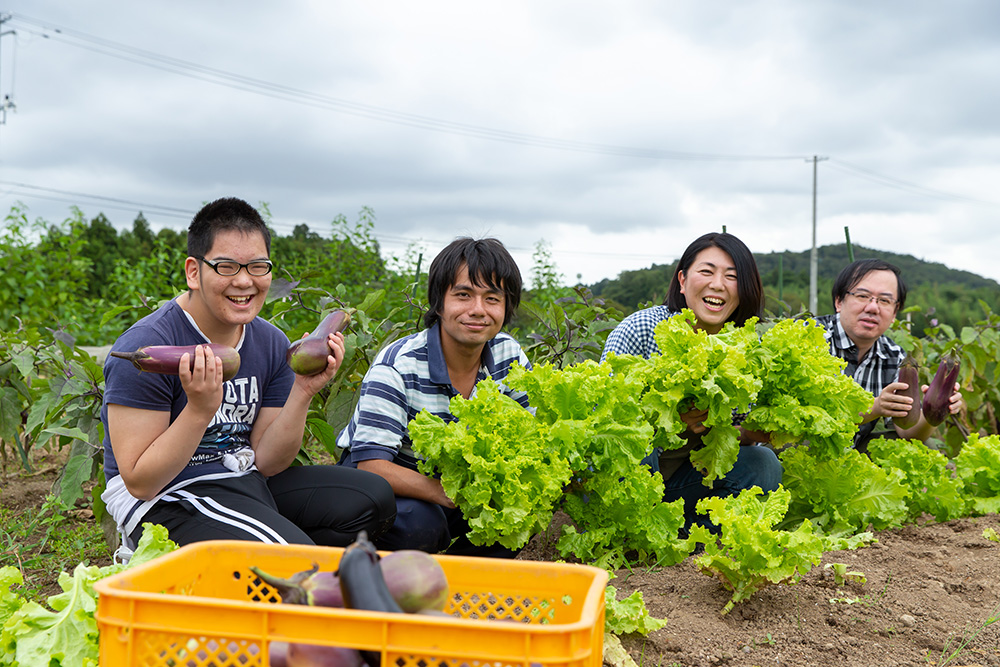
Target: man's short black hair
855, 272
226, 214
489, 265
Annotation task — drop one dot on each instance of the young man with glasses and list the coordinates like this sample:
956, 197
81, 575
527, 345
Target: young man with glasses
210, 458
866, 296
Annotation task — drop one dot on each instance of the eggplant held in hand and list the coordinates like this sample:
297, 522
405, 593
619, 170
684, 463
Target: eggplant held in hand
307, 356
910, 374
166, 359
937, 398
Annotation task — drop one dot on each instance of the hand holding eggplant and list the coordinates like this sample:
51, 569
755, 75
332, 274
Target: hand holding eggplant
310, 354
166, 359
312, 384
202, 384
201, 368
909, 375
943, 396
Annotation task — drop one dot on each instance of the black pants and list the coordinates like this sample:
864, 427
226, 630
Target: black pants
432, 528
325, 505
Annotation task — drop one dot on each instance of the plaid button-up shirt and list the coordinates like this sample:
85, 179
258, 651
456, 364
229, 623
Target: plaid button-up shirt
875, 372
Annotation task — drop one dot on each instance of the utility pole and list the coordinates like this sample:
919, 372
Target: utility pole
813, 259
7, 101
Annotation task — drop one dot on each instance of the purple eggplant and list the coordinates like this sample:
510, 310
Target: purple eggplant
909, 372
277, 654
938, 396
363, 585
315, 655
166, 359
415, 579
361, 578
311, 587
307, 356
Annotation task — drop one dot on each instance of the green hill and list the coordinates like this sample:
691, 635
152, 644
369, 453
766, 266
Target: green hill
935, 291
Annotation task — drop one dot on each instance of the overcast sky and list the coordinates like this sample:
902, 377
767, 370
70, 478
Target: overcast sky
616, 132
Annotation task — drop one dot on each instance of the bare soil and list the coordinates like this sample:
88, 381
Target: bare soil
930, 590
22, 495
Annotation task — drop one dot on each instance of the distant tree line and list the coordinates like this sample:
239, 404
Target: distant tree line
935, 292
83, 276
69, 274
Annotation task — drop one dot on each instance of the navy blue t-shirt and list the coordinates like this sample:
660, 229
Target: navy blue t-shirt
264, 380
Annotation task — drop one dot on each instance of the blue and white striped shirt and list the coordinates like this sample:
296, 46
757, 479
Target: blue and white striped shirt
410, 375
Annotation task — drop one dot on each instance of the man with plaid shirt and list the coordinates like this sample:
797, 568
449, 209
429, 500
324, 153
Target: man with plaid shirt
867, 295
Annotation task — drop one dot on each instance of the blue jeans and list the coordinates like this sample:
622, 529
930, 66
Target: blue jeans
432, 528
756, 465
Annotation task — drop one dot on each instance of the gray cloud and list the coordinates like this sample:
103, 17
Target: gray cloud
899, 95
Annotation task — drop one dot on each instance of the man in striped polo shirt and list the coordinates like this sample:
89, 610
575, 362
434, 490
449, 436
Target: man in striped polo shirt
867, 294
474, 287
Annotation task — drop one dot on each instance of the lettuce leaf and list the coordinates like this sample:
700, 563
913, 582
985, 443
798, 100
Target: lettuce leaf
628, 614
496, 463
9, 601
616, 505
932, 486
843, 495
696, 370
805, 396
66, 633
978, 466
750, 552
509, 471
36, 636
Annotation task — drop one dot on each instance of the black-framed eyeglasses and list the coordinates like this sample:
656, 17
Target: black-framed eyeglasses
866, 298
227, 267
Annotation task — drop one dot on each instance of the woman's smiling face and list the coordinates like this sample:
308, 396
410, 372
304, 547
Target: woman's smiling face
710, 289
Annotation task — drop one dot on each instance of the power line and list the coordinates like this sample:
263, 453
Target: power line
42, 192
899, 184
114, 203
303, 97
307, 98
55, 194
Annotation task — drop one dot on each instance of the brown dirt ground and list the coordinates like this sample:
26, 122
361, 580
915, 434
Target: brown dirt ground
930, 587
21, 492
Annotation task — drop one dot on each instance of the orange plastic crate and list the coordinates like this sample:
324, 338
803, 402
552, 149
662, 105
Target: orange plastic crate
201, 606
